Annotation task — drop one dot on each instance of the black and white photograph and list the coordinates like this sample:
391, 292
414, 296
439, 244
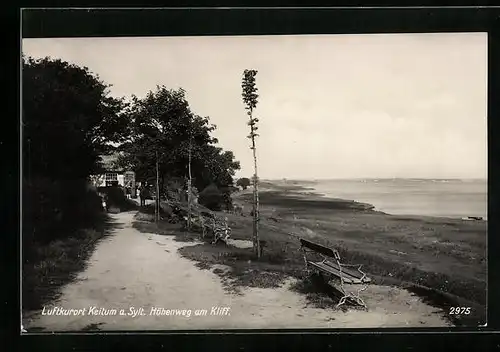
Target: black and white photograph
254, 182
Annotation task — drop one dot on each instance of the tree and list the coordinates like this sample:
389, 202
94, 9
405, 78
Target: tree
164, 122
250, 100
243, 182
190, 181
212, 198
69, 119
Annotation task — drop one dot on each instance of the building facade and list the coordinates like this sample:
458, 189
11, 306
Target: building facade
114, 176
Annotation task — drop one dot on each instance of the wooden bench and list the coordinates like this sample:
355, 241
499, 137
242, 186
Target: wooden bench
332, 266
221, 230
215, 227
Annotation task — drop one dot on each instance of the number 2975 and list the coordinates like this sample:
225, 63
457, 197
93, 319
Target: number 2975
460, 310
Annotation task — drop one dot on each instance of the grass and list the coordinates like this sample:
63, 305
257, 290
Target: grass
242, 268
320, 294
145, 223
58, 262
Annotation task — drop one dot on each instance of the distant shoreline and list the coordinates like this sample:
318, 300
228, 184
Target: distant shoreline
300, 187
287, 180
295, 191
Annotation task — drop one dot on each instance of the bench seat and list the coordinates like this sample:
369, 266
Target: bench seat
333, 269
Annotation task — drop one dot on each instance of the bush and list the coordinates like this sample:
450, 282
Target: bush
227, 201
173, 189
116, 198
212, 198
55, 209
243, 182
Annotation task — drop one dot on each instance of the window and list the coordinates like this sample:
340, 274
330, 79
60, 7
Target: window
111, 177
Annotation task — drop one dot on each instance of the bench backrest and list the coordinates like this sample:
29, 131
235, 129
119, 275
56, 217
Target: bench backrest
317, 248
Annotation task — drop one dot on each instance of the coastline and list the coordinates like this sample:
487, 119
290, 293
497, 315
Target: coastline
297, 189
306, 187
436, 257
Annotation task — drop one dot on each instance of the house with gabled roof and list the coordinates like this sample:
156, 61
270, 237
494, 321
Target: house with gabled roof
114, 175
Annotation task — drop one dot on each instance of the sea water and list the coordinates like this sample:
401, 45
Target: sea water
441, 198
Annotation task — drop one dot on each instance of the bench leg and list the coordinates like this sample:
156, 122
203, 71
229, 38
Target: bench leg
308, 272
306, 267
342, 301
354, 297
360, 301
216, 239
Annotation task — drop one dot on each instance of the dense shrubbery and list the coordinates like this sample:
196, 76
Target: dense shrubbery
212, 198
173, 189
217, 198
243, 182
68, 120
53, 209
116, 198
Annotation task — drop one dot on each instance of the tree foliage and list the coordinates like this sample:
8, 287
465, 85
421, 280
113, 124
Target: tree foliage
243, 182
212, 198
69, 119
163, 122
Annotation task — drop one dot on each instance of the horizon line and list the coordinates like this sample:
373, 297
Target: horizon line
369, 178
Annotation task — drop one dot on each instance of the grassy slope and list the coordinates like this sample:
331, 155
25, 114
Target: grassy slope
435, 249
442, 259
447, 255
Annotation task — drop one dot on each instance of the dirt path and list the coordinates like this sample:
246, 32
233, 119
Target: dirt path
135, 270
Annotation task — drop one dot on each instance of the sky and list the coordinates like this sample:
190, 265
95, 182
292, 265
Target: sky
330, 106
